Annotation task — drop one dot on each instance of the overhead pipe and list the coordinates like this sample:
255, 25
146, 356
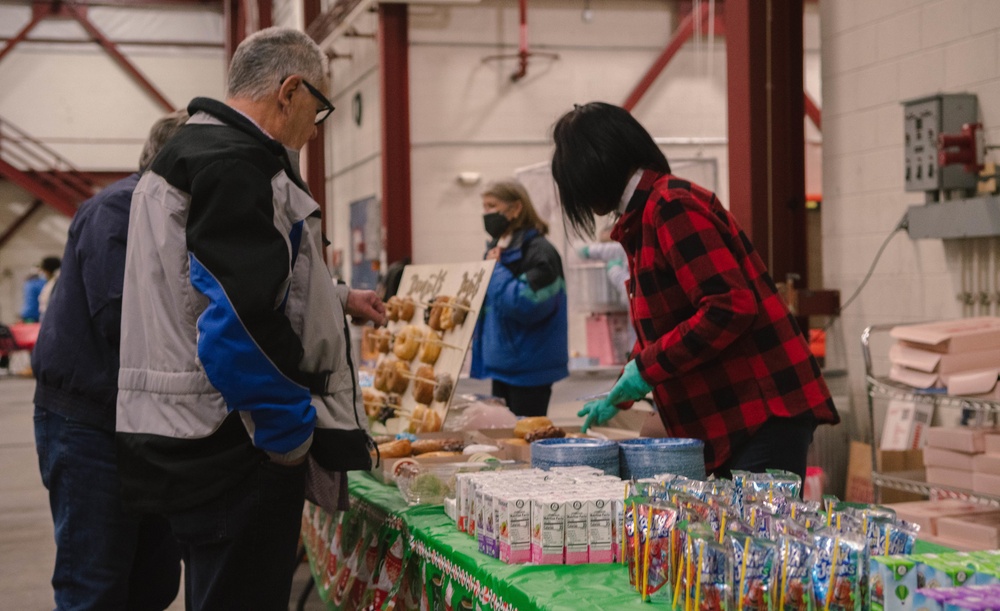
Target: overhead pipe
524, 51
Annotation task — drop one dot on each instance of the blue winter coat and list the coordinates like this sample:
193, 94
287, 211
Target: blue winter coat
521, 335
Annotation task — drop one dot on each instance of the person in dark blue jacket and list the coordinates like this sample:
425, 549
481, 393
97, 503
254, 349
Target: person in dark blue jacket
105, 558
521, 338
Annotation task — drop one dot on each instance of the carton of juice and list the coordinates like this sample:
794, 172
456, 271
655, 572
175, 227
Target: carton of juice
548, 530
514, 534
601, 536
577, 531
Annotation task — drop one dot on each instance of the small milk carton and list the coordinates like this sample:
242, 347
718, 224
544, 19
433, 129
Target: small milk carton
515, 528
893, 583
577, 531
486, 523
601, 535
548, 529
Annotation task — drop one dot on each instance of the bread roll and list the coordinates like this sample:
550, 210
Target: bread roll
526, 425
395, 449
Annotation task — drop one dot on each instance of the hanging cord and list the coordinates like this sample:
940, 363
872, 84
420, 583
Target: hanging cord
900, 226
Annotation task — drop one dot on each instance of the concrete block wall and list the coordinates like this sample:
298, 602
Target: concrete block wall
875, 56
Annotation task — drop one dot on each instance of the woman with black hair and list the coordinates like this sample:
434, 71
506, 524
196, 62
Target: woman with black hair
724, 359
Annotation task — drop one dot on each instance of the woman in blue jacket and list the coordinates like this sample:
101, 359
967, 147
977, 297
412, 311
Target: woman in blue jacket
521, 337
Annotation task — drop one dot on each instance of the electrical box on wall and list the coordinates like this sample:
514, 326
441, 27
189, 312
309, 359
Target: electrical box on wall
925, 119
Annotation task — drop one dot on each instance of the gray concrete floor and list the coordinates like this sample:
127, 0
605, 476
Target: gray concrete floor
27, 549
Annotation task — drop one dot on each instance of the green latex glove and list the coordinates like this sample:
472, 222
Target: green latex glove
629, 387
583, 251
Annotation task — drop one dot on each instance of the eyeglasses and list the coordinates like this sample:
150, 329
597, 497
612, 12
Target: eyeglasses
327, 107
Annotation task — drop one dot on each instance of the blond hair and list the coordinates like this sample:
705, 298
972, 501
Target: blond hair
511, 191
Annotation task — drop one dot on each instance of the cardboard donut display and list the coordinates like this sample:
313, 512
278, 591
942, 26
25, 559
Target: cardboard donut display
431, 320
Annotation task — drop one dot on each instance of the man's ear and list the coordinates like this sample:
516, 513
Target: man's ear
287, 90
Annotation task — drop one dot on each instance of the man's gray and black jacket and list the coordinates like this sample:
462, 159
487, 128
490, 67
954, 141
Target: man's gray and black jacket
234, 338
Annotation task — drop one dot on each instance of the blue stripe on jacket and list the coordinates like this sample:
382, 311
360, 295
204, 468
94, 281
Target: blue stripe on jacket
282, 411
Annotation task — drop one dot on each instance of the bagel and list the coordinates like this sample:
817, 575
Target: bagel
373, 400
443, 385
392, 308
424, 420
398, 377
407, 342
430, 347
423, 384
459, 313
434, 313
382, 376
406, 309
447, 322
383, 337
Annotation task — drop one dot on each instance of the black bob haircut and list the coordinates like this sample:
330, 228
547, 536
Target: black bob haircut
598, 148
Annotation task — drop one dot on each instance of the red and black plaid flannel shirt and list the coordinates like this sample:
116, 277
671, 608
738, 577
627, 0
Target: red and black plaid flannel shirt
715, 340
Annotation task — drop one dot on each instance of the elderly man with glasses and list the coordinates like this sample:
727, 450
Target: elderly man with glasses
236, 373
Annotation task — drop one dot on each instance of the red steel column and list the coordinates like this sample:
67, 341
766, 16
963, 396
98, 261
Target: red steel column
393, 42
316, 148
766, 129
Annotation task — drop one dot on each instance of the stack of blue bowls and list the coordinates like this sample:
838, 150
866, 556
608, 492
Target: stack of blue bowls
641, 458
570, 451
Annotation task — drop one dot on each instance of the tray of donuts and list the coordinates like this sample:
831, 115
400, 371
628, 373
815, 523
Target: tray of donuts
419, 357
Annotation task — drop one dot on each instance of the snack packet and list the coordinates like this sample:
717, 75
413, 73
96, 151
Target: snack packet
795, 591
755, 565
656, 556
710, 583
840, 571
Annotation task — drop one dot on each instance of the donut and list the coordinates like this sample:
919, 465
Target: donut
407, 342
446, 320
424, 420
406, 309
434, 316
430, 347
392, 308
423, 384
383, 337
398, 377
382, 376
443, 385
459, 313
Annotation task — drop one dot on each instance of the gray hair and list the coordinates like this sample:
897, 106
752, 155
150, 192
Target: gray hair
163, 130
267, 57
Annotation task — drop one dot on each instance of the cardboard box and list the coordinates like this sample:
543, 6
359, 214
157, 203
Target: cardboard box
951, 336
954, 478
958, 438
948, 459
986, 463
986, 483
981, 529
383, 472
905, 425
859, 487
928, 514
991, 443
943, 364
980, 384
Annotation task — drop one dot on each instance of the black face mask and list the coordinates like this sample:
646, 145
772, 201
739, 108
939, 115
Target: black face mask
496, 224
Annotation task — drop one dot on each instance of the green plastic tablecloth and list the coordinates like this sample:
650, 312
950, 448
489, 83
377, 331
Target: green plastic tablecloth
524, 587
432, 536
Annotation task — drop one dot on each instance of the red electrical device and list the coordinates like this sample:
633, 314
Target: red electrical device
965, 147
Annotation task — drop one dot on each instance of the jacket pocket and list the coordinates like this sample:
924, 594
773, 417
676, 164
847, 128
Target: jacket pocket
341, 449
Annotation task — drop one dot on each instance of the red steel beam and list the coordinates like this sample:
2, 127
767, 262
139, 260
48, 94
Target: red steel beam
393, 43
766, 150
316, 148
10, 231
235, 24
681, 35
20, 36
813, 111
52, 197
112, 50
265, 18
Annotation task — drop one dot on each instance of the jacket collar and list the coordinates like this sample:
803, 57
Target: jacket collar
630, 223
233, 118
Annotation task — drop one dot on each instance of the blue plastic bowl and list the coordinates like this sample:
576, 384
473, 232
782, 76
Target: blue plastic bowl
571, 451
646, 457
